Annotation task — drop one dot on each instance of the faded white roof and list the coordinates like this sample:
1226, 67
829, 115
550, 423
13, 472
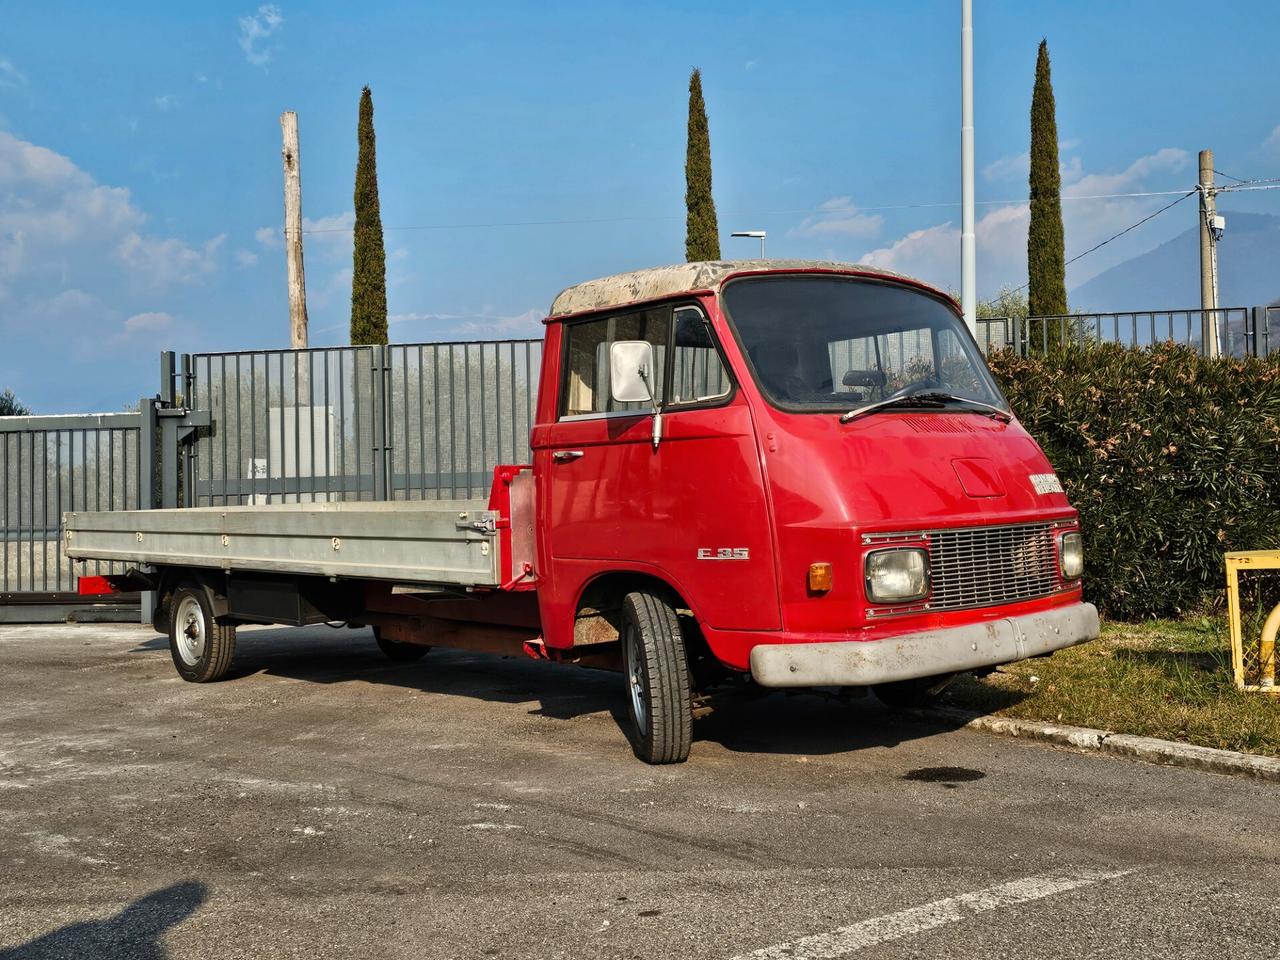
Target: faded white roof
658, 282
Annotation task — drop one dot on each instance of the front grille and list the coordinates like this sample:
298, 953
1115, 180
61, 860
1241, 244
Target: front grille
983, 566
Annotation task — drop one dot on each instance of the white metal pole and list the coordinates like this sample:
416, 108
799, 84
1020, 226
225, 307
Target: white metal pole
968, 239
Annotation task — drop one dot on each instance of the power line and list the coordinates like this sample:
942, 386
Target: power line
1247, 186
809, 211
1116, 236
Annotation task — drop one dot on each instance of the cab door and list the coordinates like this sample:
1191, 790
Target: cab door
693, 508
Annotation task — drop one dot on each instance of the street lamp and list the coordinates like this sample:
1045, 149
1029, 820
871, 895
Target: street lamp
757, 234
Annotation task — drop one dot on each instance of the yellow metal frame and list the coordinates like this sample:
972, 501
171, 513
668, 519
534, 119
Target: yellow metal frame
1252, 560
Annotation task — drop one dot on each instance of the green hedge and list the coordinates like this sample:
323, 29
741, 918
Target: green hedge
1172, 459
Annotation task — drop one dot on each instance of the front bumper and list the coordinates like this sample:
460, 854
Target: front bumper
929, 653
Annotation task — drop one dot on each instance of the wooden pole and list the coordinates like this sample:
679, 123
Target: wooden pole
293, 232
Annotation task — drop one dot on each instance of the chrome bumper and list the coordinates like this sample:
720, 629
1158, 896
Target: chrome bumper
926, 654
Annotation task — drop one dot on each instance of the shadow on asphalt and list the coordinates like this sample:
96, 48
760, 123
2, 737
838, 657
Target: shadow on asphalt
741, 719
134, 933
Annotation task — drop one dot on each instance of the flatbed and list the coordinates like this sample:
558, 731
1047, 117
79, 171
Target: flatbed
444, 542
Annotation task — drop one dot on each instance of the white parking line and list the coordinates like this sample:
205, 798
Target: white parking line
906, 923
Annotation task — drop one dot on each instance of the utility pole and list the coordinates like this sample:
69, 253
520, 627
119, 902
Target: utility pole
293, 232
968, 239
1208, 256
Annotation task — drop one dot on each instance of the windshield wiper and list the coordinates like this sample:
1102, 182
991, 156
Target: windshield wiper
929, 399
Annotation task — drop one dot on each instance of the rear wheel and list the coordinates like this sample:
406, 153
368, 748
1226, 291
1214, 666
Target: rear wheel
202, 648
918, 692
399, 651
657, 675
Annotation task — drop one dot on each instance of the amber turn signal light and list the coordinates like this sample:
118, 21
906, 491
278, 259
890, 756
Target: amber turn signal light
819, 577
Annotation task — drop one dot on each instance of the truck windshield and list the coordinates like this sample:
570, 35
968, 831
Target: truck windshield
835, 343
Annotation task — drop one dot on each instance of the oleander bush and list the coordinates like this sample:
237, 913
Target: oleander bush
1172, 459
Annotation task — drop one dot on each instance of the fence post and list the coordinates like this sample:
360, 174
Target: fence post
381, 481
185, 469
147, 480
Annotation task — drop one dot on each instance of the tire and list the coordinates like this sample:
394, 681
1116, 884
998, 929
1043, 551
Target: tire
202, 649
656, 670
397, 651
919, 692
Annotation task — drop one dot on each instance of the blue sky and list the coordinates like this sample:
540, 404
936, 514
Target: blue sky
140, 182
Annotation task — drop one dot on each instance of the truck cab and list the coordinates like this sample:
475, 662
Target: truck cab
801, 471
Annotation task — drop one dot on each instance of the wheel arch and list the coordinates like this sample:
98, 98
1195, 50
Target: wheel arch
598, 616
597, 610
213, 582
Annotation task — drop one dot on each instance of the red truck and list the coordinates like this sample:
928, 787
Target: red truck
795, 473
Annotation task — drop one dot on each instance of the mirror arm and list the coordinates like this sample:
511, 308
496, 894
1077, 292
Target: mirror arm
657, 409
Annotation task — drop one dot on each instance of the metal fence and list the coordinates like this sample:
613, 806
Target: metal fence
399, 422
1241, 331
49, 465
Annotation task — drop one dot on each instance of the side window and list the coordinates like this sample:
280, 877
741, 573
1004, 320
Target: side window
585, 387
697, 375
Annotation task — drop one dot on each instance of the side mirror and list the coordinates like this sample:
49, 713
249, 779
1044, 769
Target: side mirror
631, 371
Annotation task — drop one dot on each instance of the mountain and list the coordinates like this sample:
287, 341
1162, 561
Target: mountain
1168, 277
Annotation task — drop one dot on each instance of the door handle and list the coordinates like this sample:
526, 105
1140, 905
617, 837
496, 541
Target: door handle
564, 456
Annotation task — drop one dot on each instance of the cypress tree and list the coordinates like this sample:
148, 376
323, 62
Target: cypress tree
369, 262
702, 235
1046, 268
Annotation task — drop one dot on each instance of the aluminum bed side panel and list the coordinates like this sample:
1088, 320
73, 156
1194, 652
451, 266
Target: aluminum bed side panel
379, 542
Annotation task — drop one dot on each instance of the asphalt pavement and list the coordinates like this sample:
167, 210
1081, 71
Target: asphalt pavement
325, 803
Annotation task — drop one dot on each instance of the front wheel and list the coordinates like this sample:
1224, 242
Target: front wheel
657, 674
202, 649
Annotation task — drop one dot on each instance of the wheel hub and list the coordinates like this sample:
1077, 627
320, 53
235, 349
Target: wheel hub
190, 638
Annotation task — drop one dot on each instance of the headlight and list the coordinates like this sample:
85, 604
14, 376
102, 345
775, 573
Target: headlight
896, 576
1071, 556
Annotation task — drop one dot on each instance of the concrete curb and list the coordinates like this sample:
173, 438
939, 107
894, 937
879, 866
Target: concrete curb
1149, 749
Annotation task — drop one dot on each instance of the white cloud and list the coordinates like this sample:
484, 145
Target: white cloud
1271, 145
933, 253
246, 258
334, 231
10, 76
1017, 166
159, 263
165, 103
73, 252
838, 217
751, 64
256, 28
143, 322
1168, 160
481, 325
1007, 168
331, 234
335, 288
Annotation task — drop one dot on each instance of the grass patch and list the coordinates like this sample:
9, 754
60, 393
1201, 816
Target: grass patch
1167, 679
